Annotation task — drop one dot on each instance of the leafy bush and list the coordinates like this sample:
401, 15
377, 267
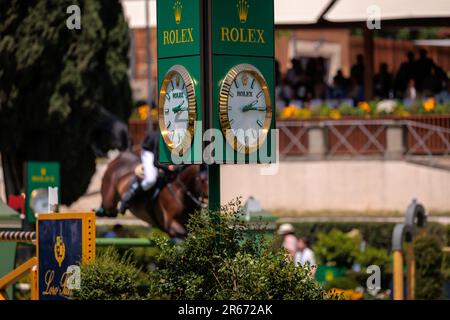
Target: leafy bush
374, 256
429, 279
218, 260
336, 248
109, 277
376, 234
344, 283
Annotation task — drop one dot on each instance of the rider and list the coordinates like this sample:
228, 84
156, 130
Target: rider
149, 161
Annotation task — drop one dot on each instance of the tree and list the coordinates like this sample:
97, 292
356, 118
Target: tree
53, 83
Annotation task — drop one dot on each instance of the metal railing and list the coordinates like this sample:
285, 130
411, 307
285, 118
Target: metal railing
362, 138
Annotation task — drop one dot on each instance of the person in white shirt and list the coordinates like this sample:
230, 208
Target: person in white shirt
304, 254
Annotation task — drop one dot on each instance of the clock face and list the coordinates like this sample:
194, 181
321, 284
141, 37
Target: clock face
245, 109
39, 200
177, 109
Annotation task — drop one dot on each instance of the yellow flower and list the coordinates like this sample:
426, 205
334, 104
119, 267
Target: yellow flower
289, 112
429, 104
303, 113
348, 294
364, 106
143, 112
335, 114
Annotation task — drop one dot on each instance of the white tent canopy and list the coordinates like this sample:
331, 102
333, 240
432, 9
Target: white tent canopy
307, 12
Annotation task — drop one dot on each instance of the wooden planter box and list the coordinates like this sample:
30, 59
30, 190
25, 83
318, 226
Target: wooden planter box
350, 139
293, 138
347, 138
421, 140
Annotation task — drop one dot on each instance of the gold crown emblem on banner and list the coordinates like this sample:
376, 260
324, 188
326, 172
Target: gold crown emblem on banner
60, 250
177, 10
243, 7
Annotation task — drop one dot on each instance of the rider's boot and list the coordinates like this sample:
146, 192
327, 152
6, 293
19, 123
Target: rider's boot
159, 185
130, 195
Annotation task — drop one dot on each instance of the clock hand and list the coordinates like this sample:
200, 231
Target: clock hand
250, 106
179, 108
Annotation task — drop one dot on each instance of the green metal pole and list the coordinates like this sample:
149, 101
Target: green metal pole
214, 187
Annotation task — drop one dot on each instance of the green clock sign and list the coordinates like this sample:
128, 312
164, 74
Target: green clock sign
39, 177
216, 71
216, 83
180, 80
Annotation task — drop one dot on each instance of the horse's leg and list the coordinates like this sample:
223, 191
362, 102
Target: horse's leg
110, 198
176, 229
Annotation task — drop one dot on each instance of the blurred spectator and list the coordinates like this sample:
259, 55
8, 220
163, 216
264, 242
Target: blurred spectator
304, 254
357, 71
424, 68
411, 93
305, 82
286, 230
406, 72
340, 85
383, 83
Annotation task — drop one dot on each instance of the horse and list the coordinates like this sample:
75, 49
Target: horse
180, 196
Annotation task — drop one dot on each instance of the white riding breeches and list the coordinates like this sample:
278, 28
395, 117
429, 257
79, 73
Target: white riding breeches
150, 171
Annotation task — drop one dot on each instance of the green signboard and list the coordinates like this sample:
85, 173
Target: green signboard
243, 53
243, 27
180, 81
178, 23
216, 73
40, 176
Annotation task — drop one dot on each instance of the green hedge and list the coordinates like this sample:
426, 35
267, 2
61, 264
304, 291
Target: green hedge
377, 234
429, 278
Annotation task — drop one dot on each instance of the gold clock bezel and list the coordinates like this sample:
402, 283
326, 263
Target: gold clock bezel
192, 109
223, 108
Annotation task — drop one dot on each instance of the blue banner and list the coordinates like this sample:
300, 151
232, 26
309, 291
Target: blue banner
60, 246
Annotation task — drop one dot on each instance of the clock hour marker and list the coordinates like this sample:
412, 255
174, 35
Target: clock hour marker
259, 95
231, 121
230, 108
166, 111
168, 96
235, 83
171, 82
253, 83
231, 94
259, 122
169, 124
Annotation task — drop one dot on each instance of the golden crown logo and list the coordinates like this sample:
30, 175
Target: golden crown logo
177, 10
43, 171
243, 8
60, 250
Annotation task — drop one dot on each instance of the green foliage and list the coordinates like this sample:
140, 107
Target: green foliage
376, 234
374, 256
336, 248
349, 110
344, 283
219, 260
110, 277
429, 279
53, 81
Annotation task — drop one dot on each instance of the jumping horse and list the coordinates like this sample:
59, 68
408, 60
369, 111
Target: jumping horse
182, 194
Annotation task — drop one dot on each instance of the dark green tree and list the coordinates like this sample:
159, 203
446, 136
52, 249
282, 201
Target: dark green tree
53, 82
